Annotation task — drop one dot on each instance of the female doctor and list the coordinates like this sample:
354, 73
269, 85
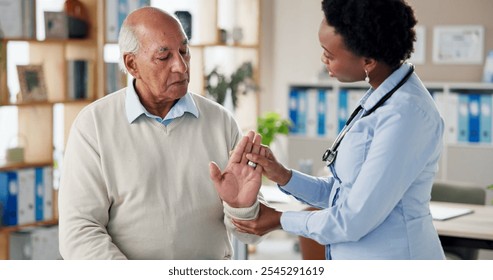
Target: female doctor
375, 205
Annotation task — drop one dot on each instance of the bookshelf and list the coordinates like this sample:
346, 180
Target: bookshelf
35, 120
461, 161
43, 126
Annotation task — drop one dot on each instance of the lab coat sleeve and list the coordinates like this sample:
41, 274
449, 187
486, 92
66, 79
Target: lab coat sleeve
311, 190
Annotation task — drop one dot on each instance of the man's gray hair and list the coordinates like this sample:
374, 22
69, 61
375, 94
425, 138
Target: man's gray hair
128, 43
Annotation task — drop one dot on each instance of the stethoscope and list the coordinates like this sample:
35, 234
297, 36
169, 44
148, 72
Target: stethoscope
330, 154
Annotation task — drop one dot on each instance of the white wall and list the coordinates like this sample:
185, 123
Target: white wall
290, 51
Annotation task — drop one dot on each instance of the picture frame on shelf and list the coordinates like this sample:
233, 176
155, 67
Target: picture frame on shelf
56, 25
32, 83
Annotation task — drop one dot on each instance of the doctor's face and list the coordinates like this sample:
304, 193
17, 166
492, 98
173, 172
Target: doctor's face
340, 62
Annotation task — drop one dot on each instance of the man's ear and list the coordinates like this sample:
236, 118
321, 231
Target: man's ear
131, 64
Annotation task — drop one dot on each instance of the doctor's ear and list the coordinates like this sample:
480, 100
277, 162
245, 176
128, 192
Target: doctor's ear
369, 64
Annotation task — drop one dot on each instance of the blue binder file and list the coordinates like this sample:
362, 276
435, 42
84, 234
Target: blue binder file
321, 108
39, 194
331, 118
9, 189
343, 114
485, 121
463, 119
474, 110
293, 110
312, 112
302, 111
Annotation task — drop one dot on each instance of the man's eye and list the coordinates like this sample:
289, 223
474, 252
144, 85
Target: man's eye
163, 58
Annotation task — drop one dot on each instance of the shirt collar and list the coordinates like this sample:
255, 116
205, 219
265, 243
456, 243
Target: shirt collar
372, 96
135, 109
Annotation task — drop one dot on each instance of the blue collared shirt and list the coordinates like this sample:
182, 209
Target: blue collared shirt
134, 107
376, 203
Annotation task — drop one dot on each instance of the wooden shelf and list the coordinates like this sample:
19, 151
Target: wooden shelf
36, 224
21, 165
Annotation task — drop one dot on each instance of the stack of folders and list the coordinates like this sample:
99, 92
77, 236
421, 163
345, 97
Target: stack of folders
26, 195
467, 116
321, 112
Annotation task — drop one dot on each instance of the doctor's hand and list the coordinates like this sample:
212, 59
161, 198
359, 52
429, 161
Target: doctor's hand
272, 169
268, 219
240, 182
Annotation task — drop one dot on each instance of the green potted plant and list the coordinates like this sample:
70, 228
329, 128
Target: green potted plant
217, 84
270, 124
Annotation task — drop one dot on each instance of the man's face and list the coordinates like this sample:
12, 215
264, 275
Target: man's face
163, 62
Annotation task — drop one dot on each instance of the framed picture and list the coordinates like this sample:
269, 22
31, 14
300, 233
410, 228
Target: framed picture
32, 83
458, 44
56, 25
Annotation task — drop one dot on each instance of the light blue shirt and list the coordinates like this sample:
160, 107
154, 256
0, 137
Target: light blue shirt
134, 107
376, 203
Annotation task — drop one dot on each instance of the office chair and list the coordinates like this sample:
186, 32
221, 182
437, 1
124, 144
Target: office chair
459, 193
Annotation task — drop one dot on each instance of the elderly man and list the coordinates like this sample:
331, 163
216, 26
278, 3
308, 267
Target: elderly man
135, 182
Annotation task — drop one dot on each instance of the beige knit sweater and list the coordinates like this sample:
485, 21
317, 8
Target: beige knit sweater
142, 190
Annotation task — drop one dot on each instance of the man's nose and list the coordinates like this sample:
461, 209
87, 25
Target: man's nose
180, 64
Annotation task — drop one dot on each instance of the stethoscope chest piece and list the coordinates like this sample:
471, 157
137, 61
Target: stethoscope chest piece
329, 156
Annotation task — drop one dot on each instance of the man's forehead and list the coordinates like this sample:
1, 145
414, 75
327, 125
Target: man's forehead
165, 48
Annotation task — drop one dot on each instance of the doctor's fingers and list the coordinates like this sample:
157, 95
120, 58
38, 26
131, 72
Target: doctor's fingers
249, 226
265, 158
257, 142
268, 152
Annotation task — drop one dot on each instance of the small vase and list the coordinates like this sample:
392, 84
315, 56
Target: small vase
75, 9
78, 20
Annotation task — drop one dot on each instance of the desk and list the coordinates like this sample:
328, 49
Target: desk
472, 230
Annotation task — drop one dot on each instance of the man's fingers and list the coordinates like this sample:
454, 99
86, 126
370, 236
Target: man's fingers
256, 144
215, 172
251, 135
248, 149
237, 153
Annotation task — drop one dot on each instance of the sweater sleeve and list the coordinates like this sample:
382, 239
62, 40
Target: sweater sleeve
248, 213
83, 199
